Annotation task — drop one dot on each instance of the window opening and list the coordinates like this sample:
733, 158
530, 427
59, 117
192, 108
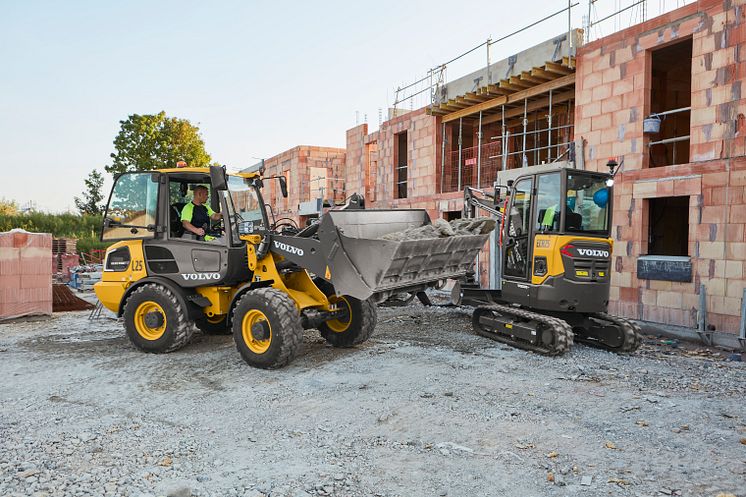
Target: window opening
400, 159
668, 226
670, 104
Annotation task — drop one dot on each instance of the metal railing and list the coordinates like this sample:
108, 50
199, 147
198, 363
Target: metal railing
603, 18
673, 139
436, 77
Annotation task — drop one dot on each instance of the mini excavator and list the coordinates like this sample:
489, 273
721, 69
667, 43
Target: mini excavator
551, 274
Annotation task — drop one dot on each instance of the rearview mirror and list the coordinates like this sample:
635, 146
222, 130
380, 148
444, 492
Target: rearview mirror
283, 186
217, 178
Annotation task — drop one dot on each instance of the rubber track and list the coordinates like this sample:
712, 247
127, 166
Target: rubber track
184, 328
285, 308
562, 331
632, 334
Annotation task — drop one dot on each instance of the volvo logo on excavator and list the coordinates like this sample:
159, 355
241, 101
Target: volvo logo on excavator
288, 248
593, 252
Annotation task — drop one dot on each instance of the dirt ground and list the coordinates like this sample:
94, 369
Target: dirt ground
425, 408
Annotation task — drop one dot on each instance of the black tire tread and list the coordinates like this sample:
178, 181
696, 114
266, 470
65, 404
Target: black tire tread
184, 329
292, 338
369, 315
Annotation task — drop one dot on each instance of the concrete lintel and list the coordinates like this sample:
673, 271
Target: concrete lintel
551, 50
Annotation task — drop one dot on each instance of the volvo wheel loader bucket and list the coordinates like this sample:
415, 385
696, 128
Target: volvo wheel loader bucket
361, 264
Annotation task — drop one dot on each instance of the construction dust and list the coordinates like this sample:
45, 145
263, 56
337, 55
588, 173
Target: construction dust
440, 228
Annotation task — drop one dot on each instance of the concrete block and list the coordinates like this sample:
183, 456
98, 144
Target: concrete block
736, 251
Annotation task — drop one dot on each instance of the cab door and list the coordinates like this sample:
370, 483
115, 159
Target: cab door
517, 243
132, 210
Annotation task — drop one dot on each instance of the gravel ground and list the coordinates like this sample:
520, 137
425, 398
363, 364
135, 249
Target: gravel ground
425, 408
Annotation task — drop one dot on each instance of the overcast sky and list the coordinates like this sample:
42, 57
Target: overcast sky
256, 77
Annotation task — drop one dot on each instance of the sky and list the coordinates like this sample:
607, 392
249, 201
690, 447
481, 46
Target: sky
257, 78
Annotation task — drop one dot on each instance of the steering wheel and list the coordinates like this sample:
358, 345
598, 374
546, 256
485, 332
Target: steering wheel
285, 221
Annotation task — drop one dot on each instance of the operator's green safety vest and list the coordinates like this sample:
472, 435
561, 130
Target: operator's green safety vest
548, 220
188, 214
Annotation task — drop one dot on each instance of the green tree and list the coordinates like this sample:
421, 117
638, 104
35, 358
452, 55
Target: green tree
8, 207
151, 141
92, 196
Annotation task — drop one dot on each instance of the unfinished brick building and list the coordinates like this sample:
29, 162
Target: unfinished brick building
679, 221
679, 209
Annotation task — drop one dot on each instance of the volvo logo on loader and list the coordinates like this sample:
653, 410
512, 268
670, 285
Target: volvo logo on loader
201, 276
593, 252
288, 248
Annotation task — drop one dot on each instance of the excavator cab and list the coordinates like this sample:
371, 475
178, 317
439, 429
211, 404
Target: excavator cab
552, 258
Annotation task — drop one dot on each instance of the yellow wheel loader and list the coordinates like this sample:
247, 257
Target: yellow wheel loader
551, 272
261, 279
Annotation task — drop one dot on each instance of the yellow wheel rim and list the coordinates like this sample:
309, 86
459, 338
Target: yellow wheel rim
336, 325
142, 327
251, 318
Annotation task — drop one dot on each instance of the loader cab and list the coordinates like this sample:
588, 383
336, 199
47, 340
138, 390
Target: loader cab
146, 207
545, 210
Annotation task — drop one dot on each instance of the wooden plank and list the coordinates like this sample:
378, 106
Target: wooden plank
513, 97
535, 105
496, 90
526, 76
557, 68
516, 81
538, 72
508, 86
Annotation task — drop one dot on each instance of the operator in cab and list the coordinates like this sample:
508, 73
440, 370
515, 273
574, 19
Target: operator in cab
197, 214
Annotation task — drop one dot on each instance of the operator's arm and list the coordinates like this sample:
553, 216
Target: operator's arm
214, 215
186, 220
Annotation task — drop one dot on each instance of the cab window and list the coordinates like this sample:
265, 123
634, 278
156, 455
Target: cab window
588, 200
246, 202
132, 207
548, 205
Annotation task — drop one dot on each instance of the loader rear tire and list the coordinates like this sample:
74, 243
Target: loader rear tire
155, 320
354, 330
267, 328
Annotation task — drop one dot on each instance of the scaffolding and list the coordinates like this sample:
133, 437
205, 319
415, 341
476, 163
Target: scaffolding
477, 166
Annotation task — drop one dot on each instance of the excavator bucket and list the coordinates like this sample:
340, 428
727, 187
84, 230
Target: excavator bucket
362, 262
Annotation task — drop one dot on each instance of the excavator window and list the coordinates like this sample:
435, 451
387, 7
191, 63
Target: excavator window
548, 204
516, 250
587, 203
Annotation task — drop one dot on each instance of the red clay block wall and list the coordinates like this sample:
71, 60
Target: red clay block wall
296, 164
25, 274
613, 95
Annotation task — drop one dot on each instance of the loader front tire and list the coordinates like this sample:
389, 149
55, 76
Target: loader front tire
355, 327
267, 328
155, 320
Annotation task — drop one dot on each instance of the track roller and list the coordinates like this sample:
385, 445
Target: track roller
609, 332
523, 329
